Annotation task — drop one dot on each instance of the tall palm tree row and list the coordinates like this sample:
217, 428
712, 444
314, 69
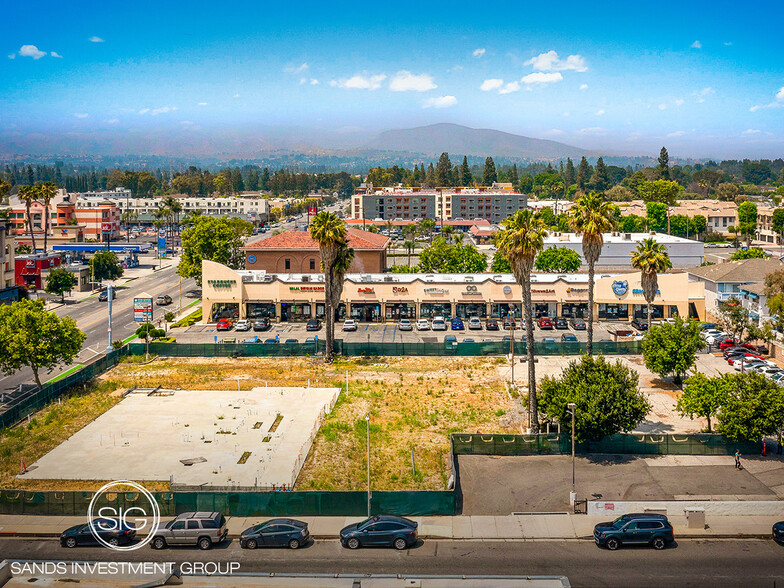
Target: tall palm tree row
330, 233
46, 192
651, 259
29, 194
521, 238
591, 216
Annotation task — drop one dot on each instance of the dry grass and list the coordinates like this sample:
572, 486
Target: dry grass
414, 403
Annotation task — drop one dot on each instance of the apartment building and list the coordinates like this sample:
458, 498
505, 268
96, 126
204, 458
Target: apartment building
6, 264
765, 230
719, 215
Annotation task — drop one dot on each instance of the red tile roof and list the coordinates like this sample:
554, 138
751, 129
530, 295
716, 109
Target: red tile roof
357, 239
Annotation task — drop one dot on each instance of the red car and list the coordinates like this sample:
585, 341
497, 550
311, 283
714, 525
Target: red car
727, 343
731, 360
225, 324
545, 323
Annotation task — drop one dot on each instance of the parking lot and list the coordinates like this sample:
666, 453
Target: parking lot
389, 333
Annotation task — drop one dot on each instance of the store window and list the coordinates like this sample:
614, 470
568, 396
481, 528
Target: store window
287, 263
613, 312
295, 311
398, 310
340, 311
469, 309
312, 264
260, 310
501, 310
641, 311
224, 310
433, 309
368, 312
574, 310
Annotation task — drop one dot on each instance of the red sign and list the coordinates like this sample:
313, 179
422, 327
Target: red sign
313, 210
106, 227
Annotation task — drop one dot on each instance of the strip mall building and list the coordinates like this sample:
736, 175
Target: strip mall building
287, 297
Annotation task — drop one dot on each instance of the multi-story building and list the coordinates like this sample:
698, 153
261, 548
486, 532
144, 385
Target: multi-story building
8, 293
765, 230
446, 204
719, 215
729, 280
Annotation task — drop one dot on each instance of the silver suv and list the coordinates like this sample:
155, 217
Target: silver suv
204, 529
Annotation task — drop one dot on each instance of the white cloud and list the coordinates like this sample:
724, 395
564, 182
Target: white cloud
186, 123
479, 52
600, 112
95, 39
360, 82
662, 106
676, 134
201, 104
12, 56
162, 110
566, 113
696, 45
144, 111
439, 102
592, 131
303, 81
31, 51
751, 132
583, 86
550, 62
727, 43
236, 96
405, 81
777, 103
700, 95
314, 82
542, 78
780, 94
678, 102
81, 114
491, 84
112, 121
455, 68
295, 69
509, 88
555, 132
56, 54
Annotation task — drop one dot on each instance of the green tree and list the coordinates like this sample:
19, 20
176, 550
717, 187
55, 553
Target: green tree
526, 184
600, 180
23, 249
46, 192
570, 175
702, 397
591, 217
28, 195
651, 259
664, 164
605, 394
30, 336
734, 319
727, 191
500, 264
409, 245
699, 225
217, 239
671, 348
664, 191
330, 233
778, 223
747, 220
753, 408
560, 260
753, 253
583, 174
60, 281
489, 175
466, 177
148, 332
105, 266
657, 216
521, 238
631, 223
444, 170
755, 172
441, 256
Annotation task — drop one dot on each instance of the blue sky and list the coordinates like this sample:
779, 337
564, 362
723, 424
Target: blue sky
703, 78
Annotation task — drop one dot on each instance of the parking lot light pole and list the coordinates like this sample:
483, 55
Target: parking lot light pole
573, 494
367, 427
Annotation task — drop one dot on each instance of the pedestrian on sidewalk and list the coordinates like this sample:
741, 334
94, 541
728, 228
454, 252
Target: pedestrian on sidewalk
737, 460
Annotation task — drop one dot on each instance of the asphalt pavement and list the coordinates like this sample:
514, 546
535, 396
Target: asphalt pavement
726, 563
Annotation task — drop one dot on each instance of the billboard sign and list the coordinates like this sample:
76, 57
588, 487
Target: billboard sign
312, 210
142, 308
106, 228
162, 240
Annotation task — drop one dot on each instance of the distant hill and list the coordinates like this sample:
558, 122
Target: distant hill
460, 140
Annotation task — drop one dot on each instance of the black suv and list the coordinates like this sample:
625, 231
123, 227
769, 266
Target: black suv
387, 530
640, 325
634, 529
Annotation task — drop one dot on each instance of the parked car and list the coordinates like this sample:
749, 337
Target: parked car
276, 533
561, 324
634, 529
474, 323
261, 324
509, 322
706, 326
491, 325
349, 325
578, 324
225, 324
457, 324
242, 325
271, 341
714, 339
163, 300
545, 323
548, 340
204, 529
768, 370
290, 341
568, 338
750, 364
423, 325
736, 357
733, 351
405, 325
778, 532
104, 295
640, 325
253, 339
110, 530
439, 324
386, 530
450, 340
313, 325
725, 343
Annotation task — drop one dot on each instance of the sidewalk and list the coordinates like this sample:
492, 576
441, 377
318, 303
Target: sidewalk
498, 528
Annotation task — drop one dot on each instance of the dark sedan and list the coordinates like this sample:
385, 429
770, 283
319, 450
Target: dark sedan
313, 325
578, 324
491, 325
110, 530
276, 533
385, 530
561, 324
261, 324
778, 532
104, 295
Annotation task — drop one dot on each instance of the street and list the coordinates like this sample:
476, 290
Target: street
724, 563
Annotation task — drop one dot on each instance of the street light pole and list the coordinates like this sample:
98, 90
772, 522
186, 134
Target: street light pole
367, 427
110, 293
573, 494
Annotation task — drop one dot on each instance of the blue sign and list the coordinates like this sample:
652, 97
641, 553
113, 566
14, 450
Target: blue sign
162, 240
620, 287
251, 258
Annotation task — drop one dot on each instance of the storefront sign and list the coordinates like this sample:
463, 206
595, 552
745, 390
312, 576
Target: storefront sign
251, 258
306, 288
222, 283
545, 291
436, 291
365, 290
576, 290
471, 291
620, 287
142, 310
399, 290
640, 291
106, 228
507, 289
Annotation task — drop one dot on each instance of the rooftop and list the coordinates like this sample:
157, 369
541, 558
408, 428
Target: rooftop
744, 271
357, 239
557, 237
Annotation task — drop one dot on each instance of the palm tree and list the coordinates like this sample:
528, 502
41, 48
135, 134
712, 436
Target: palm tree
330, 233
29, 194
46, 191
591, 216
127, 217
409, 245
651, 259
520, 240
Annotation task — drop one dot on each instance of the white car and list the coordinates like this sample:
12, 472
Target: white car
716, 338
750, 364
768, 370
439, 324
405, 325
474, 323
349, 325
422, 325
243, 325
709, 333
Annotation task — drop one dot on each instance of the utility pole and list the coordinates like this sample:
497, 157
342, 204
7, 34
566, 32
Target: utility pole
512, 350
367, 427
573, 494
110, 294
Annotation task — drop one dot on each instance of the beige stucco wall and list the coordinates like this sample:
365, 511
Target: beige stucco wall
675, 288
